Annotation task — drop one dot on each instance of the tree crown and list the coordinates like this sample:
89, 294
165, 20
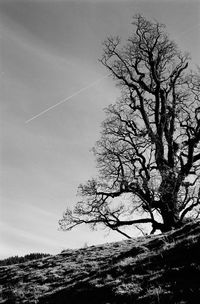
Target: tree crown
149, 151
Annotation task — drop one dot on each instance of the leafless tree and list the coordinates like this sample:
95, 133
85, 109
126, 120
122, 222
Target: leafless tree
148, 155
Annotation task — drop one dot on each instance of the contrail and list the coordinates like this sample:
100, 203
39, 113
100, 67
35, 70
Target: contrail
89, 86
66, 99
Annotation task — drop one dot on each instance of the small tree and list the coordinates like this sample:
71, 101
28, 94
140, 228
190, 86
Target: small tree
148, 155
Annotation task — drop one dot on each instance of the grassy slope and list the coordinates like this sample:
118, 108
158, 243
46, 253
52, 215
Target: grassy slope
154, 269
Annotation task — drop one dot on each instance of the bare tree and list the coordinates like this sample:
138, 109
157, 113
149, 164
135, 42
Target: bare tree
148, 155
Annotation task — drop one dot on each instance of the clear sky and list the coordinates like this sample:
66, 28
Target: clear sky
49, 51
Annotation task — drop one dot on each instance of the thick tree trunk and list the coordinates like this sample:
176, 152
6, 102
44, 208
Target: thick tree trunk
170, 220
169, 204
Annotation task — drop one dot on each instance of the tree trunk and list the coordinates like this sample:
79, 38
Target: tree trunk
169, 203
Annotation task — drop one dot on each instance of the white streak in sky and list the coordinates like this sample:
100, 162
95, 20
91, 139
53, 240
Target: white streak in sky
66, 99
89, 86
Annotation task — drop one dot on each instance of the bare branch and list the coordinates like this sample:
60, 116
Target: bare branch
148, 155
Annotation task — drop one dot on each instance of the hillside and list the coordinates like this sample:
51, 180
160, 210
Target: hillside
153, 269
16, 259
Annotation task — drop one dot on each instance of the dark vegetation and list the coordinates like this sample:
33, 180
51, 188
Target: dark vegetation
153, 269
148, 155
16, 259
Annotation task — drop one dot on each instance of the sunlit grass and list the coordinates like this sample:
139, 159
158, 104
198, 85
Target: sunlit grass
154, 269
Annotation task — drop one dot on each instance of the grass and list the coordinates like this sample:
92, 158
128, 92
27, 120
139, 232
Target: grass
154, 269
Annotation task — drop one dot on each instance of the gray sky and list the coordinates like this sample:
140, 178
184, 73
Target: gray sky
49, 51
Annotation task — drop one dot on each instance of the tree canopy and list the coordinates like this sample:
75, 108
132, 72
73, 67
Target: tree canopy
148, 155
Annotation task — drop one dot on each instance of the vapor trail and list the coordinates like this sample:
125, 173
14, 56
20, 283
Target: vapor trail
66, 99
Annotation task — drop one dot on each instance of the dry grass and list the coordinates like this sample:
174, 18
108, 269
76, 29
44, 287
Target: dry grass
154, 269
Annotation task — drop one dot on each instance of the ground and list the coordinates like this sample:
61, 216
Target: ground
153, 269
